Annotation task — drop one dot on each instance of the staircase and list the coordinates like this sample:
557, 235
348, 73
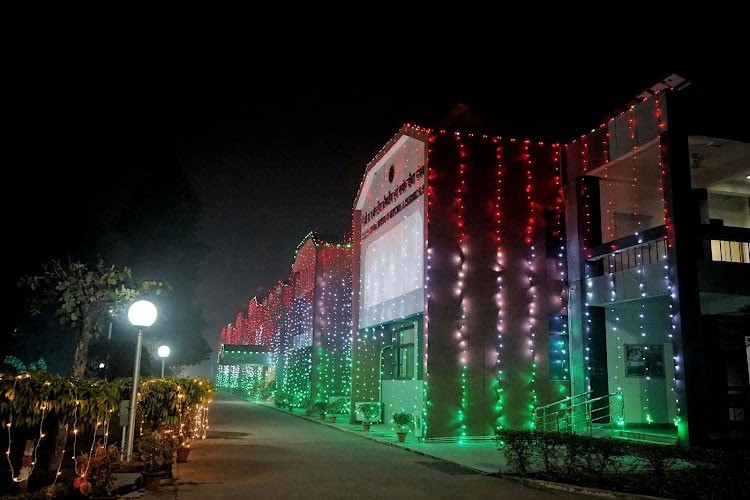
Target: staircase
599, 417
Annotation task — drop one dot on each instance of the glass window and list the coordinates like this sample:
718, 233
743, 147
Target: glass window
404, 354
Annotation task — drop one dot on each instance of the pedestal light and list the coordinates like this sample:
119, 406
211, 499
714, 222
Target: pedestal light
163, 353
141, 314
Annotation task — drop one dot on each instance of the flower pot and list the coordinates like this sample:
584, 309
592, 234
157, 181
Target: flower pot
152, 480
182, 454
132, 466
366, 426
332, 419
322, 416
401, 436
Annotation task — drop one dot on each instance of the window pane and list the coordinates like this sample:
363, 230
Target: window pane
406, 363
406, 336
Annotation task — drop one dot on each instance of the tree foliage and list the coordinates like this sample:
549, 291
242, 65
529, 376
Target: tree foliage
84, 296
156, 231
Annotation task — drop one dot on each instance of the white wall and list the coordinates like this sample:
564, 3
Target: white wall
392, 203
733, 210
642, 396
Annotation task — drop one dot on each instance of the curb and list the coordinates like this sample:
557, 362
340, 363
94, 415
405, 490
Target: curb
571, 488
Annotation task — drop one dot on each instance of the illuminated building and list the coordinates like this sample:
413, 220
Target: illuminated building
459, 266
658, 224
490, 279
304, 323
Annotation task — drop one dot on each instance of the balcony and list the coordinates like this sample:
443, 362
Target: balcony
635, 267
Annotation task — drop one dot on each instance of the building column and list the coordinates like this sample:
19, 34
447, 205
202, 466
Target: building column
682, 215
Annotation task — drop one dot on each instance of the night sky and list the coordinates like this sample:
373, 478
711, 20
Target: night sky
275, 119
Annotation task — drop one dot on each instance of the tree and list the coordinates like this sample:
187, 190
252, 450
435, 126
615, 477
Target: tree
157, 231
84, 296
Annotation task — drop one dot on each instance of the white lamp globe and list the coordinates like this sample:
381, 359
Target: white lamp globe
163, 351
142, 313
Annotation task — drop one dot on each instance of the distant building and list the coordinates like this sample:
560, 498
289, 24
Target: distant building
314, 353
304, 323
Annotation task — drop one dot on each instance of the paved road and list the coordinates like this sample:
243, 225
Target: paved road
256, 452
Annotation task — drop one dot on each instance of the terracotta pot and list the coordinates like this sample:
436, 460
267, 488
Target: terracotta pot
401, 436
182, 454
132, 466
152, 480
366, 426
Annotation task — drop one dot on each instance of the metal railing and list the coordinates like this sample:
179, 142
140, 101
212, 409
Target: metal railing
628, 252
577, 414
641, 255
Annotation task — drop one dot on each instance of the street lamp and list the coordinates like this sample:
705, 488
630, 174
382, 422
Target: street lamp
141, 314
163, 353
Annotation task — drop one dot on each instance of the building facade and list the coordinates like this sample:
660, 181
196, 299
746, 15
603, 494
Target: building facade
497, 283
315, 354
303, 323
460, 303
499, 279
658, 225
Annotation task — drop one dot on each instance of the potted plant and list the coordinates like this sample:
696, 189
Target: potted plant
320, 408
281, 400
183, 452
307, 404
402, 421
370, 413
96, 472
335, 407
156, 450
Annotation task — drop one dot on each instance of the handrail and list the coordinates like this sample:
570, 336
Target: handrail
589, 401
627, 242
573, 417
563, 400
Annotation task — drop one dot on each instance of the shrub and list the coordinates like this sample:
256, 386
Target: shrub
281, 400
551, 448
657, 457
598, 455
518, 447
627, 466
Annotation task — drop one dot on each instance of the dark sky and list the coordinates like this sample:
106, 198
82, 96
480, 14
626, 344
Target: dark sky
275, 116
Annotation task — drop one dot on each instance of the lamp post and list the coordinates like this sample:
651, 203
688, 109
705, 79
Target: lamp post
141, 314
163, 353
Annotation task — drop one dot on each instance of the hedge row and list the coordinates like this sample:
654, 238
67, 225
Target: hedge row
646, 468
